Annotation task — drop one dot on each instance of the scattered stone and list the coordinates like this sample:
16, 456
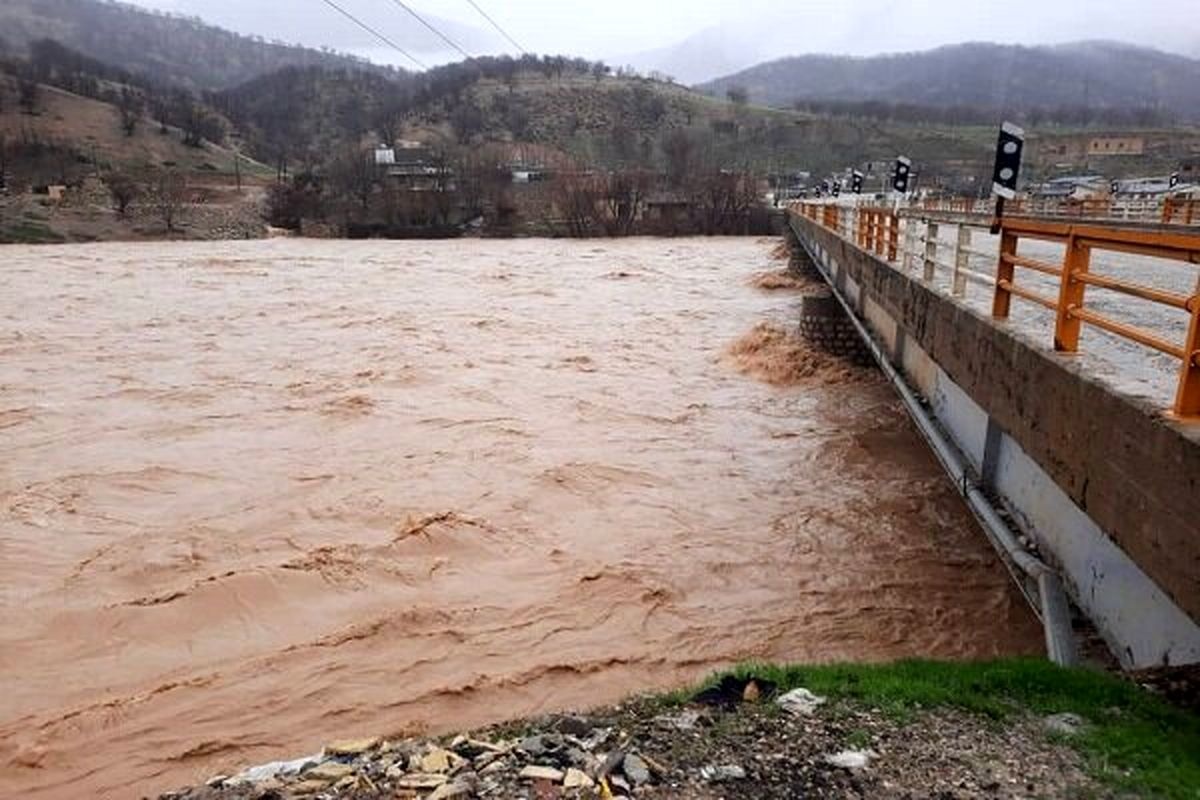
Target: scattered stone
451, 791
573, 726
577, 779
437, 760
420, 780
308, 787
686, 720
535, 772
351, 747
655, 767
533, 745
611, 762
853, 760
800, 701
1064, 724
329, 772
635, 769
727, 772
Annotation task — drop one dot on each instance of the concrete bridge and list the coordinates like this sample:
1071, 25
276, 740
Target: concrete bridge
1054, 366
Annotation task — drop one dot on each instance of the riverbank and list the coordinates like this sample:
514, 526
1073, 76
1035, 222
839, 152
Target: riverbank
1007, 728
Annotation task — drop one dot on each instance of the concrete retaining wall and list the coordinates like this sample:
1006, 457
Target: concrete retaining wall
1108, 487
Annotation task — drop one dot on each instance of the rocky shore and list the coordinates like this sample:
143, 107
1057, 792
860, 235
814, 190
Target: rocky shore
742, 737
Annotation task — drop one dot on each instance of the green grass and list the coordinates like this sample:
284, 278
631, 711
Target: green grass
1133, 742
29, 233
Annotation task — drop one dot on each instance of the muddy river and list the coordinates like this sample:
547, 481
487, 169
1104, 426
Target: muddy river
257, 496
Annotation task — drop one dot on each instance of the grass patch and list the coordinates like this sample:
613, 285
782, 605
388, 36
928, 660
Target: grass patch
1133, 741
29, 233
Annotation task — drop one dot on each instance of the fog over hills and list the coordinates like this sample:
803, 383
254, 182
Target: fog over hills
1099, 75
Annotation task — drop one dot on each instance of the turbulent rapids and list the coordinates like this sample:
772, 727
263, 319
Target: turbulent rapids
257, 496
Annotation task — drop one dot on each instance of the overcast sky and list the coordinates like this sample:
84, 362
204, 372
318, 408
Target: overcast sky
742, 30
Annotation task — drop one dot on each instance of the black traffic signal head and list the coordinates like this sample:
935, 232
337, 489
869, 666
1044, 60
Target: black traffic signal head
837, 188
856, 182
1173, 181
1009, 149
1114, 187
901, 175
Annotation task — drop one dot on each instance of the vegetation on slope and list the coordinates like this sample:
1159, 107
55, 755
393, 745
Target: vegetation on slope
1081, 82
169, 49
1132, 740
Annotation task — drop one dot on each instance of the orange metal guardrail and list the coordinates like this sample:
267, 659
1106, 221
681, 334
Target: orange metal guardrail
879, 231
1180, 210
1074, 278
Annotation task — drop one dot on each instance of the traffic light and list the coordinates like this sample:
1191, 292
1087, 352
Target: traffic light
1173, 181
1114, 187
837, 188
1009, 149
901, 175
856, 182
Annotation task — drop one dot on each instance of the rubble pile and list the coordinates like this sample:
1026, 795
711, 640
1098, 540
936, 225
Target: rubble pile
739, 738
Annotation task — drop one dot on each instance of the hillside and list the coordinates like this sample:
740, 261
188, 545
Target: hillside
93, 129
593, 119
169, 49
1098, 75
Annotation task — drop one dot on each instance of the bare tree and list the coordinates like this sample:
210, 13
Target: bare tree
353, 174
576, 198
28, 96
130, 106
168, 197
123, 189
624, 196
738, 95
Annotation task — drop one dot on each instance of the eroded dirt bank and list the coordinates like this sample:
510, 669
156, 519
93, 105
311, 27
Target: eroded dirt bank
257, 496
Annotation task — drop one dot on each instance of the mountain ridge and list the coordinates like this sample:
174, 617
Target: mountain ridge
1097, 73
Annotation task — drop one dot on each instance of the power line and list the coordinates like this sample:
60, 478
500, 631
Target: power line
374, 33
496, 25
436, 32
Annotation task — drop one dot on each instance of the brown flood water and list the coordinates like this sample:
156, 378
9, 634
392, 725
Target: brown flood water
256, 496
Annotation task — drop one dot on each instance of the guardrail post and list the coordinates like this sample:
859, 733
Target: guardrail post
1005, 271
931, 246
1070, 296
962, 260
893, 241
1187, 399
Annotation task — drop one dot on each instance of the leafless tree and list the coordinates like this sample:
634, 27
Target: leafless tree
168, 197
130, 106
28, 96
123, 189
353, 174
624, 196
576, 198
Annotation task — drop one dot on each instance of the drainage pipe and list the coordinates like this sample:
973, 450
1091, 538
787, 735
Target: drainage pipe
1052, 606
